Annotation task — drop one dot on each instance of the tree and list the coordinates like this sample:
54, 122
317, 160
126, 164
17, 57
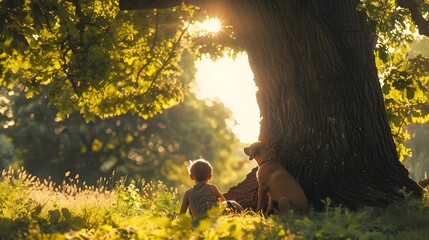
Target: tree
419, 132
319, 94
86, 58
313, 61
419, 162
6, 152
154, 149
95, 60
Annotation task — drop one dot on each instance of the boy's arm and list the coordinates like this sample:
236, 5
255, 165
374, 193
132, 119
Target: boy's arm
216, 191
185, 203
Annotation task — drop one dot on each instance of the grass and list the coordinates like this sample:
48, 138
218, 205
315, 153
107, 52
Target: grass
34, 209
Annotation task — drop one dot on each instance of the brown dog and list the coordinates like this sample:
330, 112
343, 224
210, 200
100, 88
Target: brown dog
275, 183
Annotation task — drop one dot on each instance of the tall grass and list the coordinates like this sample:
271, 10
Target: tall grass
35, 209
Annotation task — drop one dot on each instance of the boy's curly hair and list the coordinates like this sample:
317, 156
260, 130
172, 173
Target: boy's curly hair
200, 170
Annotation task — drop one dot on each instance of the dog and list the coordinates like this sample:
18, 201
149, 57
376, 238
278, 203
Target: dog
275, 184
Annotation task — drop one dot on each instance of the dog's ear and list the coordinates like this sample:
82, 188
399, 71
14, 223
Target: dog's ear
252, 153
253, 150
248, 152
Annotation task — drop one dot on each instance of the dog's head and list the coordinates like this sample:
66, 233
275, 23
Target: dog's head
253, 150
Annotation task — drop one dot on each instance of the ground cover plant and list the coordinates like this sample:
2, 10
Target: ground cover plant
34, 209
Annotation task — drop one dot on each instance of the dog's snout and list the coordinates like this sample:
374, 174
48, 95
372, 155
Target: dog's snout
247, 151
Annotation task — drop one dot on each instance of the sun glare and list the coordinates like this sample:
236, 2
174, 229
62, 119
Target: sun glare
208, 26
231, 82
211, 25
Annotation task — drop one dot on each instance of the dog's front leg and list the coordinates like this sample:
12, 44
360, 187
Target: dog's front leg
262, 198
259, 205
269, 210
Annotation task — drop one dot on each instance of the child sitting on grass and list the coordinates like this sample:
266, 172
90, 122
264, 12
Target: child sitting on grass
203, 195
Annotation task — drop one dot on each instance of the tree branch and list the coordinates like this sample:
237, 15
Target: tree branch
424, 183
416, 15
152, 4
149, 4
215, 8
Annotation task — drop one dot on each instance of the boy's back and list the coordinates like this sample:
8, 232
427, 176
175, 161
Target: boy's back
201, 199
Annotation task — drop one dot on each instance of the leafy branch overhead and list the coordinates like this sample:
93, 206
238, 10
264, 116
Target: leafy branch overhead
95, 59
402, 72
416, 14
412, 5
100, 61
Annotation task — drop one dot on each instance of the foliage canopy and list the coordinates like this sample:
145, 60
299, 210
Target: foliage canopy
93, 58
99, 61
403, 76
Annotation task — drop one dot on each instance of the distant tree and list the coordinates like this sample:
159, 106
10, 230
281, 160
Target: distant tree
418, 163
156, 148
418, 133
6, 152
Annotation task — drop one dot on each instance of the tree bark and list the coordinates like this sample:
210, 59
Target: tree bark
246, 192
424, 183
320, 100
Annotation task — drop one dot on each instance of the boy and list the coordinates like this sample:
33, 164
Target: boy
203, 195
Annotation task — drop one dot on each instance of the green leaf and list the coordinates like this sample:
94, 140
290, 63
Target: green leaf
411, 92
21, 41
37, 15
54, 216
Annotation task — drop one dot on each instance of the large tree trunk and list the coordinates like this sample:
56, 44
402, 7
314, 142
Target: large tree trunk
320, 99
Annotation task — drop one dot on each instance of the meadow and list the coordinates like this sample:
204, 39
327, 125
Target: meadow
126, 209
